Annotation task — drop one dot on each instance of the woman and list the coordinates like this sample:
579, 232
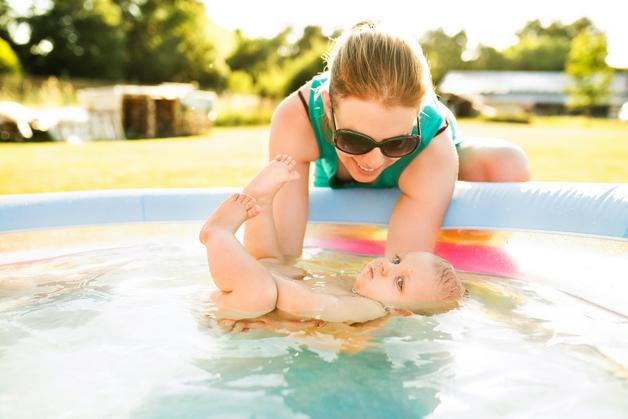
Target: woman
359, 125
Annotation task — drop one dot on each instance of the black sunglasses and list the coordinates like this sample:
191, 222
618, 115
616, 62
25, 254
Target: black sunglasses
353, 142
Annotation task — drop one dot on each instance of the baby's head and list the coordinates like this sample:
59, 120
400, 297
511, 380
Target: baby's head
416, 281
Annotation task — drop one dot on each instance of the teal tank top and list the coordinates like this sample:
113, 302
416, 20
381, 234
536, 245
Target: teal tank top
430, 119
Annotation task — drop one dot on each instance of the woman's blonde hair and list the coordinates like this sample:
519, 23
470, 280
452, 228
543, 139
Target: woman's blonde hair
370, 62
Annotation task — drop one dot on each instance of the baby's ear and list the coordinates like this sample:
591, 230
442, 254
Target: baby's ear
403, 312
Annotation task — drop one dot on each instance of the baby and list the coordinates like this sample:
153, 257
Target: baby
253, 280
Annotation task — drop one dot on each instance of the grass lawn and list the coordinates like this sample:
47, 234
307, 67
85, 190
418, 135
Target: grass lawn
560, 149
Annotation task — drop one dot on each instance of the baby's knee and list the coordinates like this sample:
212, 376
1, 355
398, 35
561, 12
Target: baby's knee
210, 233
509, 164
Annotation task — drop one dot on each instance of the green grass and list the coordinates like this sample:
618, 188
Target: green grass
566, 149
560, 149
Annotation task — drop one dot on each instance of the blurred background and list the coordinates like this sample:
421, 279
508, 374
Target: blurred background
197, 82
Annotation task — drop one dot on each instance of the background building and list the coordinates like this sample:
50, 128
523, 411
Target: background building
515, 94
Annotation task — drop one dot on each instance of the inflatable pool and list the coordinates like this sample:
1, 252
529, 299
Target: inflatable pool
103, 311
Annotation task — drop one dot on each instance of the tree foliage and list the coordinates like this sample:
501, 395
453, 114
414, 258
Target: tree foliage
488, 58
5, 20
136, 40
590, 75
150, 41
544, 48
276, 66
443, 52
255, 55
78, 38
9, 63
539, 48
170, 40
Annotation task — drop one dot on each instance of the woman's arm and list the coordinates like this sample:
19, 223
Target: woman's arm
292, 134
426, 186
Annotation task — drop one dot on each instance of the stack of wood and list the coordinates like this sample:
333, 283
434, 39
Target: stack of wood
135, 112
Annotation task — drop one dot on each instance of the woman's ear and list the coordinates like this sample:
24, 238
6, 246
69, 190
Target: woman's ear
326, 102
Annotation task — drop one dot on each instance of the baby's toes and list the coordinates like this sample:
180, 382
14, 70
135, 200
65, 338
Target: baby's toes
239, 198
253, 211
248, 201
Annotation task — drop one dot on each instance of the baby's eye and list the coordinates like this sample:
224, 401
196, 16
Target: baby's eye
399, 282
396, 260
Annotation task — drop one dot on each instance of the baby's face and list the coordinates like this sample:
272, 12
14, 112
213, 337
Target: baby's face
405, 281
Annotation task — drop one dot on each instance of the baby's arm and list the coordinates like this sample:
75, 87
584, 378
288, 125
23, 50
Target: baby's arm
296, 298
352, 309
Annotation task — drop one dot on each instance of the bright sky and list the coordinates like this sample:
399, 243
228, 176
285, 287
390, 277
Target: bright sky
489, 22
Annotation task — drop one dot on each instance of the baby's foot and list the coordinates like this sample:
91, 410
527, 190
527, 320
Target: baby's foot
267, 183
231, 214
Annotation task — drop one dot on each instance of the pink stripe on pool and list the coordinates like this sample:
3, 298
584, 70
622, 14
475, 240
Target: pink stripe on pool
475, 258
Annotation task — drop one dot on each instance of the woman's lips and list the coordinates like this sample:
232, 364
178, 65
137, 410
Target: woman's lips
365, 170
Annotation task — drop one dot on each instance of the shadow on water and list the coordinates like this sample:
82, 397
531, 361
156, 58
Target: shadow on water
391, 378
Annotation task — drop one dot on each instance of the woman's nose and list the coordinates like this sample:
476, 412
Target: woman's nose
374, 158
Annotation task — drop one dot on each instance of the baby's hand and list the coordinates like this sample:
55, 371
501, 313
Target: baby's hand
269, 325
237, 326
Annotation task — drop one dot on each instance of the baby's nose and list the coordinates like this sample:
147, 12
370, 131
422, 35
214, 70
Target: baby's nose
383, 269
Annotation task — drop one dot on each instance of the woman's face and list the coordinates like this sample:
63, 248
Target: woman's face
379, 122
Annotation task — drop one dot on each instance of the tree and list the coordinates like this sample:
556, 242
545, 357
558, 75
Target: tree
590, 75
171, 41
488, 58
543, 53
9, 63
257, 55
4, 19
78, 38
311, 38
306, 60
544, 48
276, 66
534, 29
444, 53
304, 68
240, 82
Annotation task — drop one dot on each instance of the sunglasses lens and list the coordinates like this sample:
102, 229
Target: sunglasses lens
352, 143
400, 147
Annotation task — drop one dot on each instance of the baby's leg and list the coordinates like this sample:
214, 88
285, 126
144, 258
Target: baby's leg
245, 284
260, 238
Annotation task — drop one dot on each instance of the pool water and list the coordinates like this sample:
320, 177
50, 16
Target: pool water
128, 331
